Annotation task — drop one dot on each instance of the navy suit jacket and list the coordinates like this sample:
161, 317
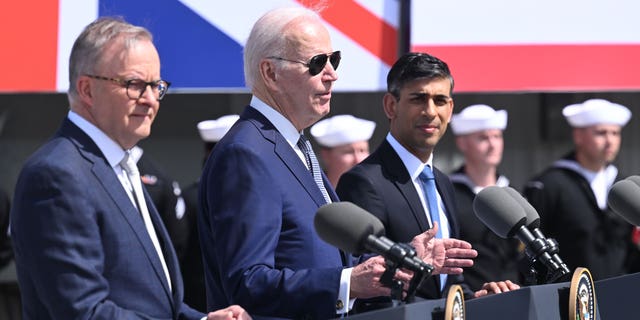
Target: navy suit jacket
381, 185
82, 249
260, 248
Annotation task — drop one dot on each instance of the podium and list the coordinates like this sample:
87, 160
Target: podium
617, 297
421, 309
548, 302
541, 302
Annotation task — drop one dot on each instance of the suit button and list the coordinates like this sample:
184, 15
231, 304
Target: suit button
339, 305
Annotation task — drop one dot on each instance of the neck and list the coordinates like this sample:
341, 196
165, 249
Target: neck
481, 176
588, 164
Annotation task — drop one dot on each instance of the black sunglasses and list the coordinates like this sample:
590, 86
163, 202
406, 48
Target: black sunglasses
317, 62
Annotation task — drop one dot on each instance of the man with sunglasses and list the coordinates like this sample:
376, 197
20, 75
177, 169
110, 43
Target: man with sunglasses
89, 243
262, 186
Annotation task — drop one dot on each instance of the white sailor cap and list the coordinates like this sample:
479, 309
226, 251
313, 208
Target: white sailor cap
596, 111
214, 130
478, 117
342, 129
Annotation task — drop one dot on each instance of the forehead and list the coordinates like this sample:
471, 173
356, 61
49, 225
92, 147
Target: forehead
436, 86
308, 36
122, 52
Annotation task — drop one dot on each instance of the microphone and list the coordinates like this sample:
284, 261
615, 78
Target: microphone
352, 229
635, 179
624, 199
533, 223
501, 213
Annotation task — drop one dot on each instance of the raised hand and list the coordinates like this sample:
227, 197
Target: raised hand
447, 256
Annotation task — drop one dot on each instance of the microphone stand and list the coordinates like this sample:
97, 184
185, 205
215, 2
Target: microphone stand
536, 271
399, 251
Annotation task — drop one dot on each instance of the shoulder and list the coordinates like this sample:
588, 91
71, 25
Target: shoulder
552, 177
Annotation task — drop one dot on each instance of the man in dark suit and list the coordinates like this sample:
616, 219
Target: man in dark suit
389, 183
258, 197
211, 131
89, 242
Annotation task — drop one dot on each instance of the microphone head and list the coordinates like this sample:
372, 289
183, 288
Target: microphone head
533, 218
634, 179
499, 211
624, 199
346, 226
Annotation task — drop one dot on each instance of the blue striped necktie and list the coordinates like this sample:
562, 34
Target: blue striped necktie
312, 164
429, 187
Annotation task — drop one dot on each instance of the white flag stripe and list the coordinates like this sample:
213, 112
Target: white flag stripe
73, 16
387, 10
359, 70
495, 22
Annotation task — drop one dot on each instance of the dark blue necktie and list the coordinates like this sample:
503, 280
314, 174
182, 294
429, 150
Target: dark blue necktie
429, 186
313, 165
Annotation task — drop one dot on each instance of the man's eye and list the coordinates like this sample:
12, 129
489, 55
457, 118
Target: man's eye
441, 102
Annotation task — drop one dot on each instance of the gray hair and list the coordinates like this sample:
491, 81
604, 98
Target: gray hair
268, 37
88, 48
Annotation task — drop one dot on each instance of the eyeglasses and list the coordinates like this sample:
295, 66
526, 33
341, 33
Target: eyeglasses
317, 62
137, 87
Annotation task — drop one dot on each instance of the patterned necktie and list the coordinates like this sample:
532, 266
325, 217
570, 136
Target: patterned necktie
133, 175
429, 187
312, 164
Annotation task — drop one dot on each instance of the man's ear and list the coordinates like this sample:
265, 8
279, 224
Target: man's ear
389, 104
84, 87
268, 73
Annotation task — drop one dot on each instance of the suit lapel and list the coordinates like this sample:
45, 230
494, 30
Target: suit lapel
170, 257
105, 175
447, 194
400, 177
289, 157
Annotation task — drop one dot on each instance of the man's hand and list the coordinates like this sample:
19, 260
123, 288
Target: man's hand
365, 279
234, 312
447, 256
496, 287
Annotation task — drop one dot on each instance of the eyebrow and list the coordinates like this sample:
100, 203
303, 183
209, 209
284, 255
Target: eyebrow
424, 95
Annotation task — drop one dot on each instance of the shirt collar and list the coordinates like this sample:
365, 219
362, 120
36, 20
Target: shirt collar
282, 124
610, 172
111, 150
413, 165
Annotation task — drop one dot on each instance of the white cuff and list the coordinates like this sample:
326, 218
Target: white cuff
343, 294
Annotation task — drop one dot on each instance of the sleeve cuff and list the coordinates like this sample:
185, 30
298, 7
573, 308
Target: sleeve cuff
343, 294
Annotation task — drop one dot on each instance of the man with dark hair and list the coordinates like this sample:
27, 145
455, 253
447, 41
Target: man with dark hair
398, 183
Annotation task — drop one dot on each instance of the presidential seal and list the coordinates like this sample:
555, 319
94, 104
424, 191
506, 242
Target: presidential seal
454, 308
582, 297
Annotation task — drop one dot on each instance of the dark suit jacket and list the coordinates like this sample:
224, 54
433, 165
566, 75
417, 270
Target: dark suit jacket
381, 185
260, 248
82, 249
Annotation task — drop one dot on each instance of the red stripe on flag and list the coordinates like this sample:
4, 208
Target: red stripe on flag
541, 67
30, 44
363, 27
